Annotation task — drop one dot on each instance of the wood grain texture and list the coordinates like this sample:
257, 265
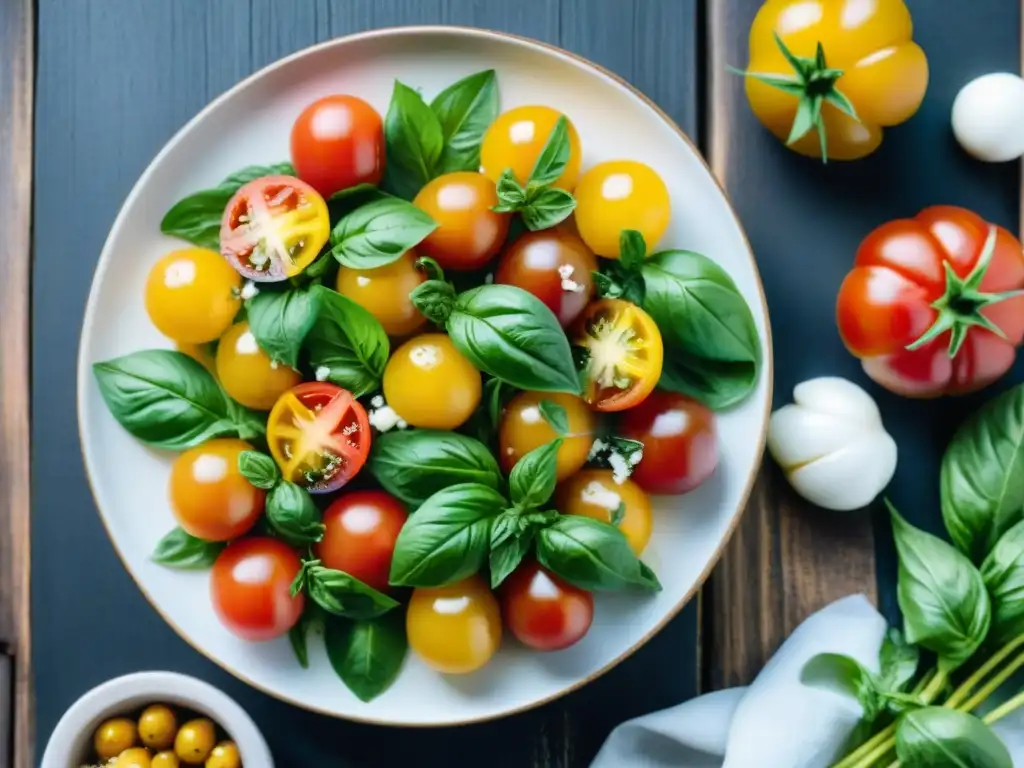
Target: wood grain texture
16, 42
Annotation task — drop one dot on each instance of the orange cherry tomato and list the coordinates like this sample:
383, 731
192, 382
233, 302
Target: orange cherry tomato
543, 611
360, 533
524, 428
618, 195
455, 629
516, 139
384, 293
594, 493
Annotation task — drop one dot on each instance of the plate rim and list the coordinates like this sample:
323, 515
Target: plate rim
82, 380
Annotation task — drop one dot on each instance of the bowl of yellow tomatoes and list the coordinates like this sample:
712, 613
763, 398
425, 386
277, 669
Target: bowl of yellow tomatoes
425, 365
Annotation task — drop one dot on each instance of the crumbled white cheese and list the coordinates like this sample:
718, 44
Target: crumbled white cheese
598, 494
596, 448
620, 469
385, 418
488, 278
274, 365
322, 373
565, 272
377, 401
635, 457
249, 290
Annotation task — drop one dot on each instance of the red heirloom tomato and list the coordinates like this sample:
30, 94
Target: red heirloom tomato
680, 444
273, 228
931, 305
556, 266
359, 536
250, 586
338, 142
543, 611
319, 436
469, 234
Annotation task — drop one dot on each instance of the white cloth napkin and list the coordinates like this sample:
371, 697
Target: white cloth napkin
776, 722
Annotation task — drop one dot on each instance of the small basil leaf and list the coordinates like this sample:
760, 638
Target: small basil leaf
447, 538
897, 661
465, 110
941, 594
164, 398
511, 335
592, 555
298, 634
506, 558
511, 194
843, 674
378, 233
546, 208
347, 345
415, 464
1003, 574
533, 478
553, 158
180, 550
197, 218
293, 515
554, 414
435, 300
413, 141
715, 383
607, 286
367, 655
632, 250
259, 469
505, 526
341, 594
940, 737
280, 322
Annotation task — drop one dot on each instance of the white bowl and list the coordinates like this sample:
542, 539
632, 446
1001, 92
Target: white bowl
70, 744
250, 124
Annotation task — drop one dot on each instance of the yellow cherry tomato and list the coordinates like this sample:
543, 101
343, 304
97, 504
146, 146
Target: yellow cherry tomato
224, 755
594, 493
165, 760
430, 384
113, 737
192, 295
384, 293
454, 629
202, 353
523, 428
195, 741
248, 374
516, 139
157, 723
618, 195
879, 72
137, 757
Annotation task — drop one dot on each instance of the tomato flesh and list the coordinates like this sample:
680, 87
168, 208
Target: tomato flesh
360, 533
454, 629
469, 234
543, 611
594, 493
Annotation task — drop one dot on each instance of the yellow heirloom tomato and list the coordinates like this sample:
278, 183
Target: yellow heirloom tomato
826, 76
192, 295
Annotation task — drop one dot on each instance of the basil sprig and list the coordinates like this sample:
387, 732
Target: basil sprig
538, 203
280, 320
465, 110
259, 469
180, 550
346, 344
367, 654
623, 278
378, 233
505, 332
293, 515
555, 415
197, 218
532, 480
168, 400
340, 594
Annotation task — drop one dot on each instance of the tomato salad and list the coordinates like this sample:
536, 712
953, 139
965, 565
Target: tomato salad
415, 369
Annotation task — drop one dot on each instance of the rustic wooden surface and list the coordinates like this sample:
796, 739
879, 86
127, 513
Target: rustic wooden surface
16, 64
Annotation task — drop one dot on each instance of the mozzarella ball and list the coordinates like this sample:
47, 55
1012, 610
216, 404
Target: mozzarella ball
988, 117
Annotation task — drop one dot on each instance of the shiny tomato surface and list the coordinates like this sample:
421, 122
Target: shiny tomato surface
384, 293
544, 612
430, 384
454, 629
524, 428
247, 373
594, 493
361, 528
469, 234
192, 295
515, 140
618, 195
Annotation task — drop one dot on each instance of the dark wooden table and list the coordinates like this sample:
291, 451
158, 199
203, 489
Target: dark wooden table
114, 79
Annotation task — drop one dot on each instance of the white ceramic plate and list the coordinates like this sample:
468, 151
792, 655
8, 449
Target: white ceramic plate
251, 124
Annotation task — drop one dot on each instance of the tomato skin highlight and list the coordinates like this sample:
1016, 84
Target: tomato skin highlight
337, 142
454, 629
594, 493
250, 587
430, 384
523, 428
516, 139
469, 234
361, 528
192, 295
544, 612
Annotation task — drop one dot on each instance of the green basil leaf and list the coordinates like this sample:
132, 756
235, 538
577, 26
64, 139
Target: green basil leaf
505, 526
259, 469
347, 345
310, 619
249, 425
293, 515
164, 398
367, 655
180, 550
547, 207
554, 414
897, 661
632, 250
982, 479
415, 464
280, 321
1003, 574
533, 478
197, 218
511, 335
553, 158
378, 233
413, 140
945, 606
341, 594
843, 674
506, 557
939, 737
617, 515
465, 110
592, 555
715, 383
447, 538
511, 194
435, 300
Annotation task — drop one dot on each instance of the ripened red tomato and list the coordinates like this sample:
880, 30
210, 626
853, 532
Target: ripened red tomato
338, 142
544, 612
250, 586
273, 228
556, 266
319, 436
680, 442
926, 308
359, 537
469, 234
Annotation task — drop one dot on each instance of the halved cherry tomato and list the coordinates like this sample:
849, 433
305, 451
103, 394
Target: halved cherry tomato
319, 436
680, 443
360, 533
469, 233
624, 354
273, 228
338, 142
524, 428
250, 587
516, 139
543, 611
594, 493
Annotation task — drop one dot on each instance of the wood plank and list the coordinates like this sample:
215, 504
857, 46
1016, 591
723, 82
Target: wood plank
16, 41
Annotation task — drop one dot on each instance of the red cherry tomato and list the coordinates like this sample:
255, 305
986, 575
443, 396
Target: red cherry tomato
680, 442
319, 436
544, 612
924, 306
250, 586
359, 536
338, 142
